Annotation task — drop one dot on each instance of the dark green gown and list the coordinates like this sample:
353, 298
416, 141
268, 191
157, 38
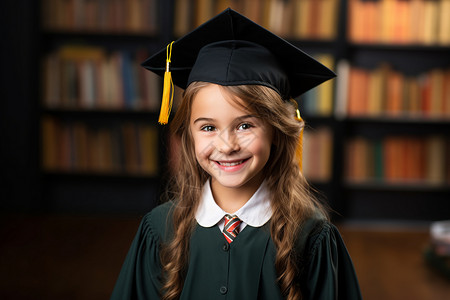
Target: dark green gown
241, 270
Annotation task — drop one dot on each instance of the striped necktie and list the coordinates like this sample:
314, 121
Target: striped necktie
231, 228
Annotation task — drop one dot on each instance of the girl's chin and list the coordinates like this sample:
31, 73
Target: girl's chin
228, 182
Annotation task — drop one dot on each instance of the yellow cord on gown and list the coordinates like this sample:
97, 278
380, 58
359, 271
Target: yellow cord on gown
167, 97
299, 150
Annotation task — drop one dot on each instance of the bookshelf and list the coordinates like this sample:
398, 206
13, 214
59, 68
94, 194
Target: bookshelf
388, 108
100, 146
392, 104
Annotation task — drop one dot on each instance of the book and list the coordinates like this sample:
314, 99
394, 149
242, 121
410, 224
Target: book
435, 156
430, 22
342, 85
444, 22
357, 92
317, 154
394, 90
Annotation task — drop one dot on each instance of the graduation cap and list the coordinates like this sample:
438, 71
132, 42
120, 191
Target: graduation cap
230, 49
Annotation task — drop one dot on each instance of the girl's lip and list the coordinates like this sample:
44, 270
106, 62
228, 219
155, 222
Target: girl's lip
231, 165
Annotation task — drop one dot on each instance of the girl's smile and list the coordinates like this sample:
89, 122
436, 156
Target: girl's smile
231, 166
231, 144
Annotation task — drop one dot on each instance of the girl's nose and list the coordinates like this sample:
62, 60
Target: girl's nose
227, 142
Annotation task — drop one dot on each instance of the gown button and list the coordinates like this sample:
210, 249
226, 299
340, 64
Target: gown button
223, 290
226, 247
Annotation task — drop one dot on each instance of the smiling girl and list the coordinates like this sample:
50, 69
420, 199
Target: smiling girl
240, 222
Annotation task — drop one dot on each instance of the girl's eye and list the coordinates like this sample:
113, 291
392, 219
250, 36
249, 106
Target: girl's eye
244, 126
208, 128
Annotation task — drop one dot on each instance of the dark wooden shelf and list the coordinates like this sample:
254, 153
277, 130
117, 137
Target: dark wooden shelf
106, 39
400, 47
376, 127
406, 119
85, 33
381, 185
116, 177
110, 114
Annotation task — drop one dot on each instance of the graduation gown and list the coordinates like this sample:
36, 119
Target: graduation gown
243, 269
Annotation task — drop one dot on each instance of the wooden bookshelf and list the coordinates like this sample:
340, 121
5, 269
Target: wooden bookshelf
416, 66
392, 105
98, 107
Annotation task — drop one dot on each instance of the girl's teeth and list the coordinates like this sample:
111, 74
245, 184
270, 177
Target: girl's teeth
230, 164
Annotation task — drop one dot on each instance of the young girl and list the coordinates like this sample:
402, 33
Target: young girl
240, 222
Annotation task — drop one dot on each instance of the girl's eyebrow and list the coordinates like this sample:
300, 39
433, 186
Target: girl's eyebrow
203, 119
246, 116
211, 119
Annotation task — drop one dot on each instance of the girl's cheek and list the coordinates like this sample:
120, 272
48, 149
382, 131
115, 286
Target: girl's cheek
204, 149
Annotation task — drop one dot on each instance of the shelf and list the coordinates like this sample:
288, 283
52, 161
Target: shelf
399, 119
377, 185
315, 120
66, 33
314, 45
375, 127
99, 176
424, 58
125, 113
109, 40
400, 47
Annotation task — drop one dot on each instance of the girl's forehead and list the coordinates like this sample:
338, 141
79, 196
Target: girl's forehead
214, 99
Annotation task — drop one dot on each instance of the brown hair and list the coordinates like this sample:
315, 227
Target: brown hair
291, 206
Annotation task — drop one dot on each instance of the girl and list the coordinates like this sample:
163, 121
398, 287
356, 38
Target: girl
240, 223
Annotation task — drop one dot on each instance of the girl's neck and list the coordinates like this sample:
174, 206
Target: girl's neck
232, 199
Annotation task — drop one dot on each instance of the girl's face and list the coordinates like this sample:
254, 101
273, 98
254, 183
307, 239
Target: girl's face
231, 144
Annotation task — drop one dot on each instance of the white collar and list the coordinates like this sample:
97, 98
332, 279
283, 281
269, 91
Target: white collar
255, 212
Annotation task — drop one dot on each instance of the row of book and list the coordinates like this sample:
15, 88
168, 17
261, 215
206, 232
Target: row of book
399, 21
89, 77
295, 19
318, 154
111, 16
398, 159
387, 92
319, 101
78, 147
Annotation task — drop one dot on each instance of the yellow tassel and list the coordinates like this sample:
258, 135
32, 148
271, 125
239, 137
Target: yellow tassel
167, 97
299, 150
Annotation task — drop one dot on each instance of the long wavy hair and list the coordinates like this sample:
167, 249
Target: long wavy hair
291, 200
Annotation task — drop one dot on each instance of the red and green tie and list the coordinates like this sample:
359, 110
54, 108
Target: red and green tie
231, 228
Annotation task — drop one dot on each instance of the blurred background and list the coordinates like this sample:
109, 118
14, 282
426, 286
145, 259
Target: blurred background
83, 158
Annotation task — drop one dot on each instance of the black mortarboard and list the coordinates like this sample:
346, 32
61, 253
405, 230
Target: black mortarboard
230, 49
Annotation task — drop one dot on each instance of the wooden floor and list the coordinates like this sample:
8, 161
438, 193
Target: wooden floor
390, 265
73, 257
